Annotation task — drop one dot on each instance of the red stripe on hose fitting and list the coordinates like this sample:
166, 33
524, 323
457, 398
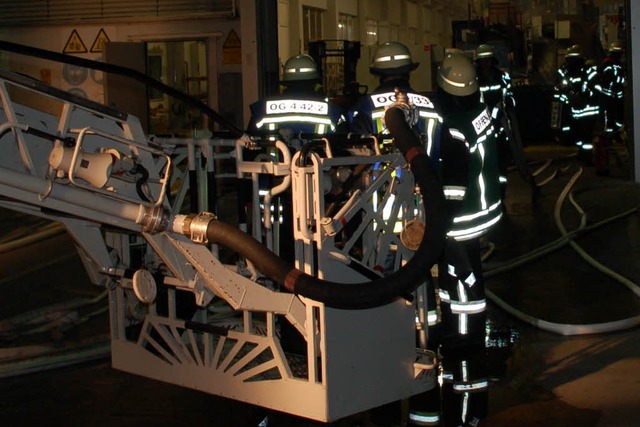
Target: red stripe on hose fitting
413, 152
290, 279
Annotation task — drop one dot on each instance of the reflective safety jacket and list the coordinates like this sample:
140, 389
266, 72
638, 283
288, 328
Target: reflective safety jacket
496, 90
290, 114
480, 205
611, 79
610, 84
366, 116
574, 89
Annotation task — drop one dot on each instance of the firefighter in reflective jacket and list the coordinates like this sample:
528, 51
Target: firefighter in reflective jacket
300, 112
472, 190
476, 207
297, 115
573, 91
610, 88
496, 90
393, 64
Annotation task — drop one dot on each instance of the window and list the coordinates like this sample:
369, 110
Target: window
346, 30
371, 32
393, 33
182, 65
311, 25
414, 36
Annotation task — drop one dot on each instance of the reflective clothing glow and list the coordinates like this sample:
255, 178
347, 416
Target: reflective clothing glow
460, 301
367, 119
611, 84
481, 204
575, 89
308, 116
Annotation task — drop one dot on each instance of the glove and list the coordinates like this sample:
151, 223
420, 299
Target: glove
410, 111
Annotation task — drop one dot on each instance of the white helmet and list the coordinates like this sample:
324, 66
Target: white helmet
457, 75
616, 47
484, 51
300, 67
573, 51
392, 58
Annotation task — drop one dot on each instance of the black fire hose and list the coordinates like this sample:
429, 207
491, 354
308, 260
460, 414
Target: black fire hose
367, 294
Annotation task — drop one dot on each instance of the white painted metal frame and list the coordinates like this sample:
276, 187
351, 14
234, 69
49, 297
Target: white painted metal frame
355, 359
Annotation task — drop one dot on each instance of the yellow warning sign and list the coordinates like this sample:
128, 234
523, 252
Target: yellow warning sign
232, 40
74, 44
98, 43
231, 52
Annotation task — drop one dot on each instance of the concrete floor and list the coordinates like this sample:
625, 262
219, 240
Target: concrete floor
537, 377
553, 379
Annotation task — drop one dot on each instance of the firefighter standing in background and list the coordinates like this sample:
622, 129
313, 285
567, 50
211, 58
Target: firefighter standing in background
573, 90
495, 87
610, 88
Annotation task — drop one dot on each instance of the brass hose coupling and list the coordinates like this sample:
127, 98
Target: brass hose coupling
194, 226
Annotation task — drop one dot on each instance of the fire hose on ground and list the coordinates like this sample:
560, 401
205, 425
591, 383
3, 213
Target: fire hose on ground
568, 237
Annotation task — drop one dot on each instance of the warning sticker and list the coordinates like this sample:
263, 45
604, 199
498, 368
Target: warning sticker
231, 49
232, 40
74, 44
98, 43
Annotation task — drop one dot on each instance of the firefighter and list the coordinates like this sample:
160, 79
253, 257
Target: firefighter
392, 64
295, 116
573, 90
610, 87
300, 112
496, 90
476, 208
468, 168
